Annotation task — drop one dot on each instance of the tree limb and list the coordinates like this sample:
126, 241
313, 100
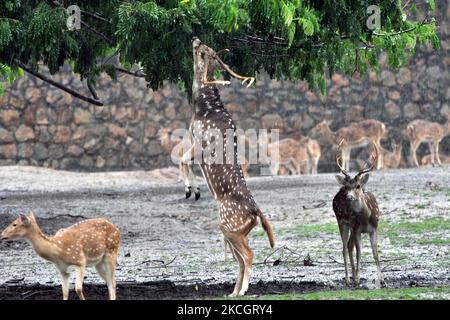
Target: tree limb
58, 85
135, 74
92, 90
403, 31
97, 33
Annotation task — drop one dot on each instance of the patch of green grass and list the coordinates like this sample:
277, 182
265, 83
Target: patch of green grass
314, 229
408, 230
380, 294
436, 241
430, 224
421, 206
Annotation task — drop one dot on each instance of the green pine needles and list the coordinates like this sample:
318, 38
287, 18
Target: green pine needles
288, 39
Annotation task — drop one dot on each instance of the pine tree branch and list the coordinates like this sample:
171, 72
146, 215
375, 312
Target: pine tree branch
98, 33
424, 22
92, 90
135, 74
95, 16
58, 85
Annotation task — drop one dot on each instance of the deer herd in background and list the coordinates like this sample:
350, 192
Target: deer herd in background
301, 154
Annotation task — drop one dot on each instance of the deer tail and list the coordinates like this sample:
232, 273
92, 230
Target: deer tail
267, 226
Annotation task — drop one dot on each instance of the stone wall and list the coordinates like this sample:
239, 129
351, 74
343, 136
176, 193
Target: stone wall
40, 125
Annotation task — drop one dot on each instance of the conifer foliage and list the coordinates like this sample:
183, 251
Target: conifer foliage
288, 39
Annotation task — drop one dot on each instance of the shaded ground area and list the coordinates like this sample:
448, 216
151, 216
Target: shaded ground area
172, 248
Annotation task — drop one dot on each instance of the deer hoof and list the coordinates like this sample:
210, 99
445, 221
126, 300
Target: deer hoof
197, 194
188, 192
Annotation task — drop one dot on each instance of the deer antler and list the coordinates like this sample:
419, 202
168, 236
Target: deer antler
373, 161
234, 74
339, 159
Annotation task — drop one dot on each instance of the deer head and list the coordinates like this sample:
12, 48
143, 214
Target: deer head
19, 228
354, 187
321, 129
164, 134
206, 61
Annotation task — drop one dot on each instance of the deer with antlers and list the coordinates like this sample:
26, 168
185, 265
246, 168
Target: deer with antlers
357, 135
356, 212
93, 242
214, 137
419, 131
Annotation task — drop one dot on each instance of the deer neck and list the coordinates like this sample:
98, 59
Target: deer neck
41, 243
330, 135
398, 154
208, 100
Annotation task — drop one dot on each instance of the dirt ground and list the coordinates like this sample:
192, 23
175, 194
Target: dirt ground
172, 248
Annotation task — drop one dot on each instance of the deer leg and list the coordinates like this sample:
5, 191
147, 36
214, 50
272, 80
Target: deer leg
413, 150
248, 261
380, 159
431, 147
436, 153
293, 167
351, 246
358, 256
238, 256
346, 159
315, 164
345, 232
188, 173
110, 268
373, 243
65, 284
79, 282
225, 248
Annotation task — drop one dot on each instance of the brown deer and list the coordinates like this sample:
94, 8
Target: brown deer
292, 157
238, 212
426, 160
93, 242
419, 131
392, 160
356, 212
357, 135
314, 153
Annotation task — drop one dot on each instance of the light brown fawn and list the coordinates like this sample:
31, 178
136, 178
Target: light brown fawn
356, 135
292, 157
93, 242
238, 212
419, 131
392, 160
314, 153
426, 160
356, 212
295, 156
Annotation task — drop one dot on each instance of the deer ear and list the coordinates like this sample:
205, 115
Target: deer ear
363, 179
340, 179
25, 220
31, 216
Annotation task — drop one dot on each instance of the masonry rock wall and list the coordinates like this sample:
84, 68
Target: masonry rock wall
40, 125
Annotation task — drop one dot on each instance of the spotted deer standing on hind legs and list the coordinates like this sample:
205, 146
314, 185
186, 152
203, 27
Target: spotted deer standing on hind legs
238, 212
356, 212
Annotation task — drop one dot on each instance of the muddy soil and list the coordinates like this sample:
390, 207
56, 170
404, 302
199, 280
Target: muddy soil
172, 248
